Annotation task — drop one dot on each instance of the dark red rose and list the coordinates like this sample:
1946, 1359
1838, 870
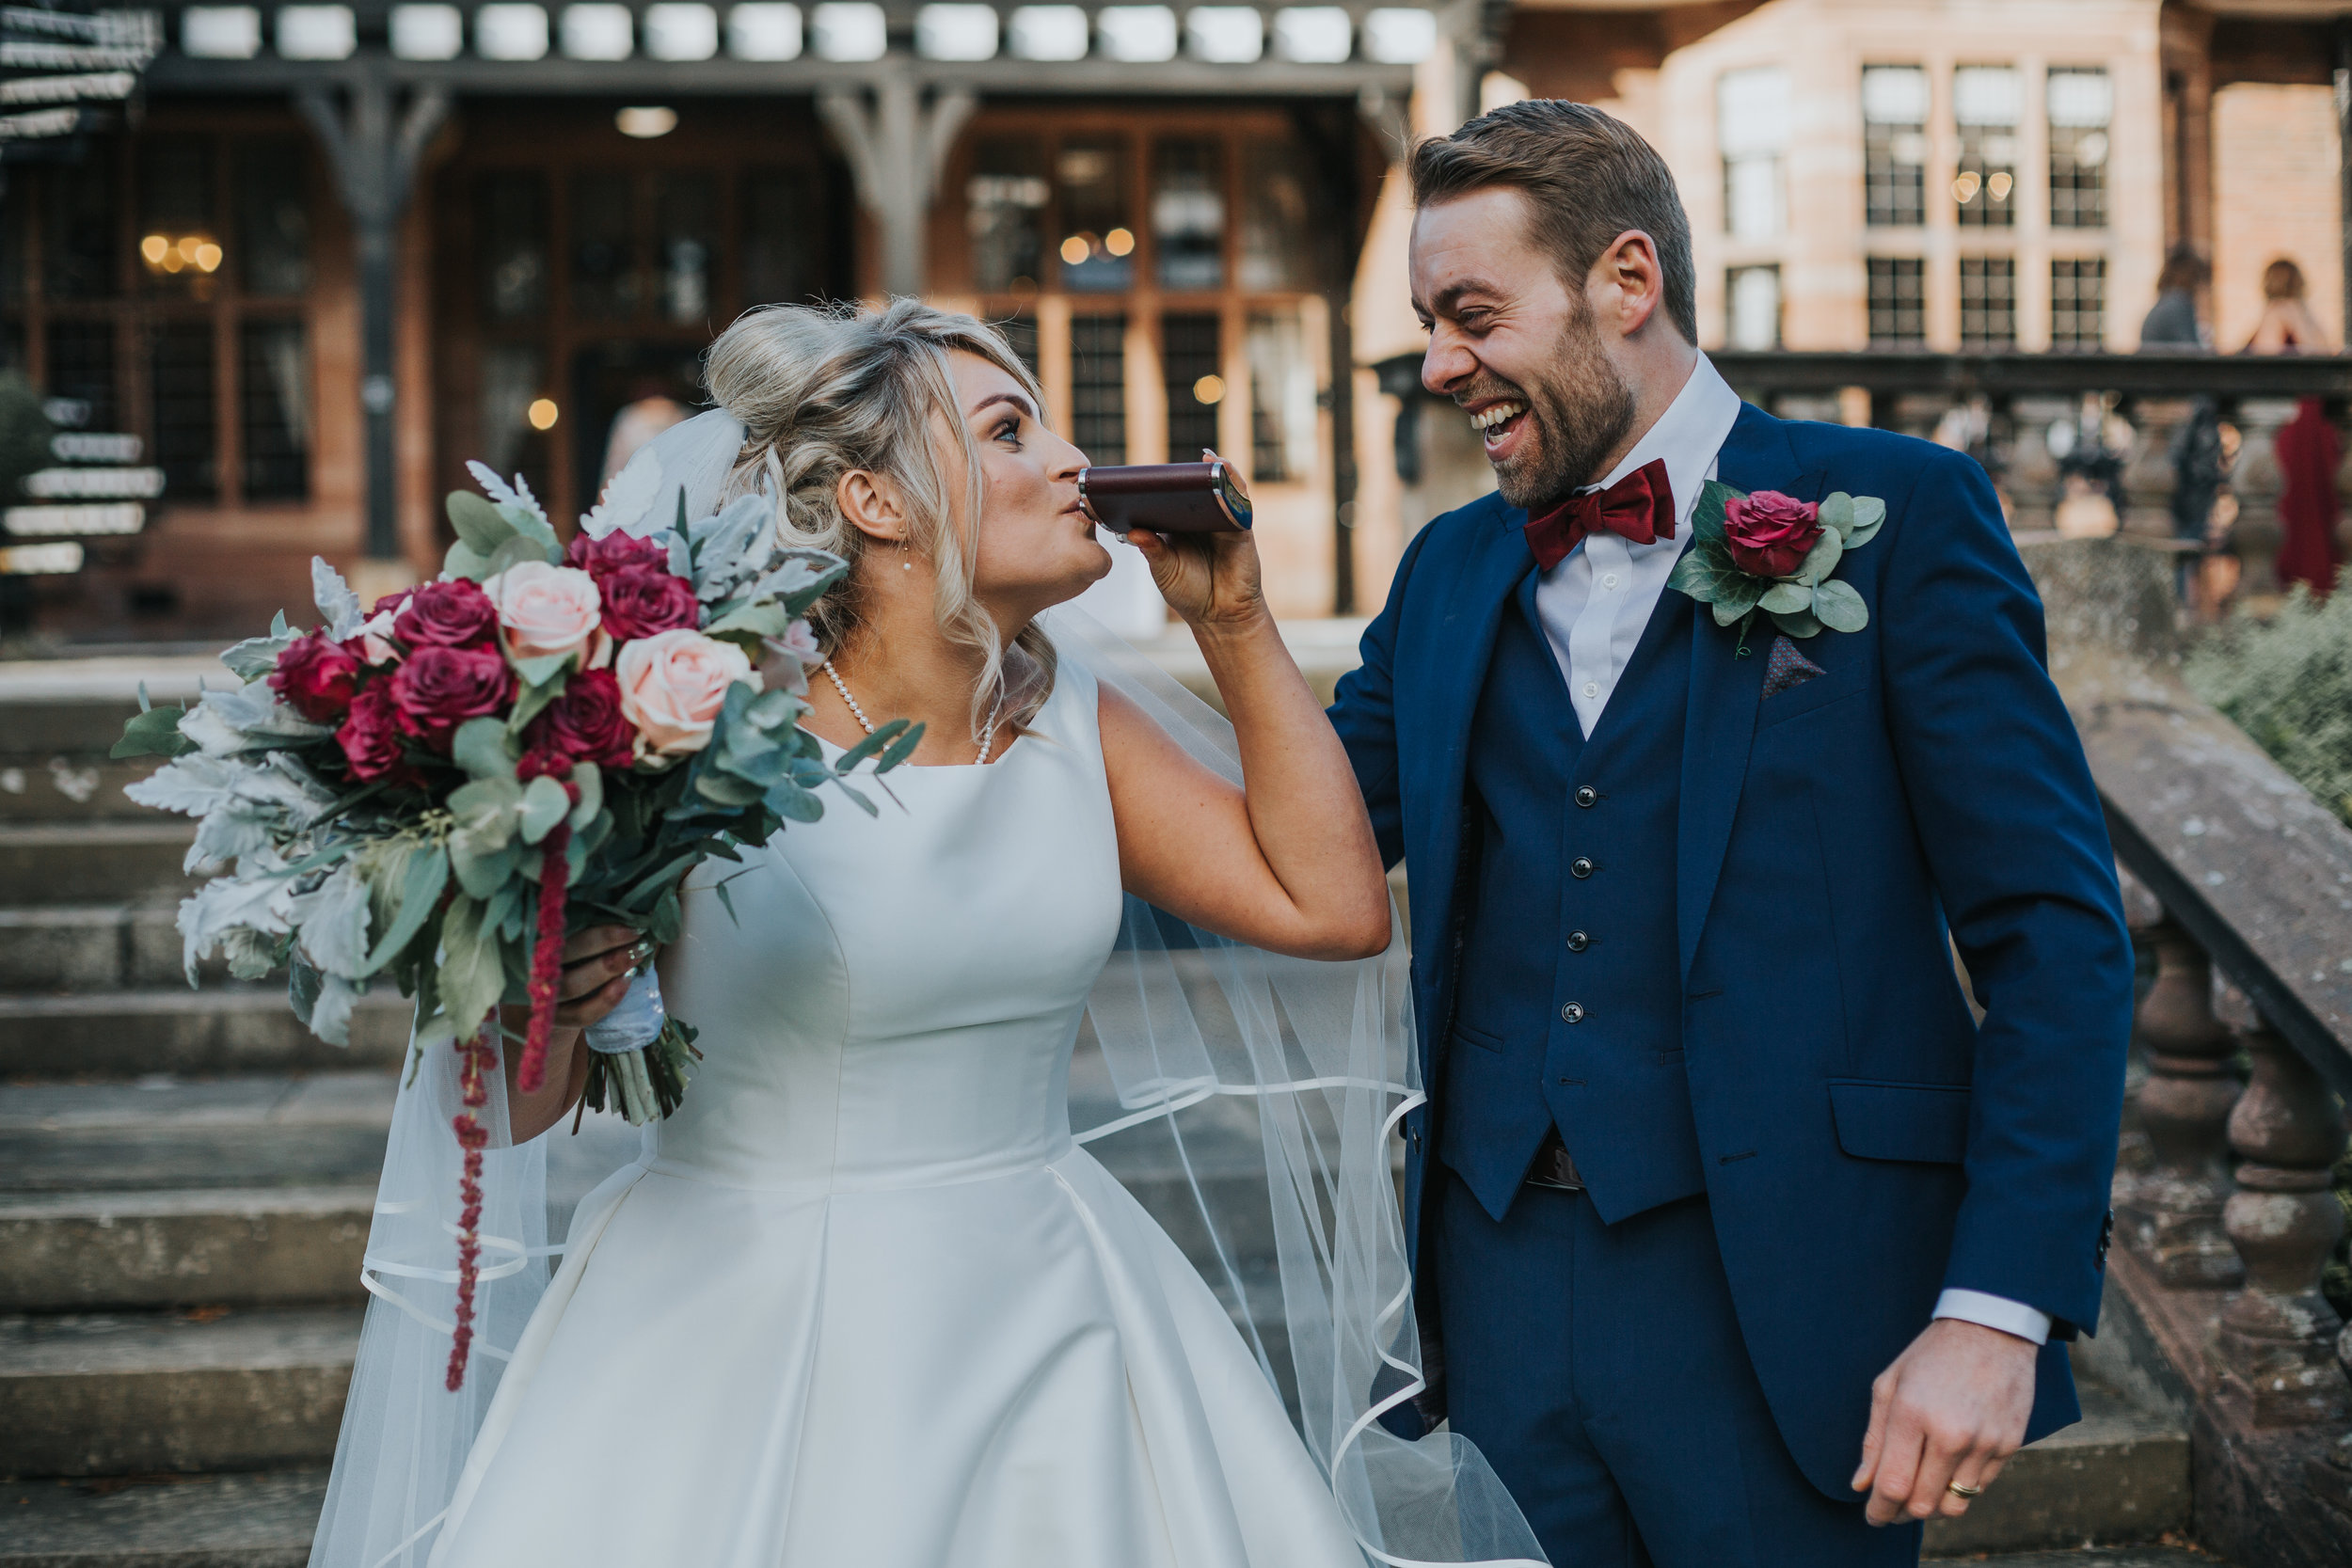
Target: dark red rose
316, 677
615, 553
371, 735
584, 725
440, 688
1769, 533
389, 604
638, 603
453, 614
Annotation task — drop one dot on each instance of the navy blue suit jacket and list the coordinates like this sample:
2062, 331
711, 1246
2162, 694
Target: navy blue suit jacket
1866, 1142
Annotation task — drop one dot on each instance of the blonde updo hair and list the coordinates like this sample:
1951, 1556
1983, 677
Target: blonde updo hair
824, 390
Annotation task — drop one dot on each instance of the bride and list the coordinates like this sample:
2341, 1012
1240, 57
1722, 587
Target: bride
865, 1300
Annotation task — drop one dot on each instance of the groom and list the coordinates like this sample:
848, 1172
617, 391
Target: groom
1736, 1234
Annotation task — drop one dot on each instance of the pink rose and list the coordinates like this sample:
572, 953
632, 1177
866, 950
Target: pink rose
316, 677
440, 688
673, 685
1769, 533
639, 602
545, 609
452, 614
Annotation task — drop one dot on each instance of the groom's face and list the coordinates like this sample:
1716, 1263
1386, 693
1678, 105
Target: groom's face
1516, 346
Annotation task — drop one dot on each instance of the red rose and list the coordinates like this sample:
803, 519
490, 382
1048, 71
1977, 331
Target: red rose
440, 688
453, 614
615, 553
316, 677
584, 725
641, 602
1769, 533
372, 736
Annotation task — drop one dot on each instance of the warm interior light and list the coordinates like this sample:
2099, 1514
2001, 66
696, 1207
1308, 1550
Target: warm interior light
646, 122
1119, 241
1209, 390
154, 248
1075, 249
542, 413
208, 256
1998, 187
1964, 189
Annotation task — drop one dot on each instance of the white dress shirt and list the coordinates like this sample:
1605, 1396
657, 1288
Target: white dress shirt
1596, 603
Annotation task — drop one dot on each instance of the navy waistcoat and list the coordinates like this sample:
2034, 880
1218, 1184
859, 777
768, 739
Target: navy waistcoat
1569, 1008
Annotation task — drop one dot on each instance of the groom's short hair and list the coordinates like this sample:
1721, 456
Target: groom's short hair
1587, 178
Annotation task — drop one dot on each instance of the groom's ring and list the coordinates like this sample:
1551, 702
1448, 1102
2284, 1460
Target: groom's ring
1959, 1491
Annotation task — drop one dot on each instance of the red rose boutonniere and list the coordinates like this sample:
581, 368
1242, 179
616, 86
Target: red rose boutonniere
1771, 554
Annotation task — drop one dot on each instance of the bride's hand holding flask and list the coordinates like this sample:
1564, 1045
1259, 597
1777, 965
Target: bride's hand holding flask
1192, 522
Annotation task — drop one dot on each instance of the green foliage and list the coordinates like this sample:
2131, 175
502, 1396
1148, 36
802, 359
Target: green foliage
2288, 684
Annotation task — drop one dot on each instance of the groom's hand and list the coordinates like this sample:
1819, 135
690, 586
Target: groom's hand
1951, 1408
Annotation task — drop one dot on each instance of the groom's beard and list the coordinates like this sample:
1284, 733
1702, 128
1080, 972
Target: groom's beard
1577, 415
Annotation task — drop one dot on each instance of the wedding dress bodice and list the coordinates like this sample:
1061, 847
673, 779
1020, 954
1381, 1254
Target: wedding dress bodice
894, 1001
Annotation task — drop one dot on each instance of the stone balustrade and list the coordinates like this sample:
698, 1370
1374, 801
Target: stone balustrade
2240, 891
2004, 409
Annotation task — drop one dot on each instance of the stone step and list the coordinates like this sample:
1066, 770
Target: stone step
243, 1247
2081, 1557
231, 1028
89, 947
92, 1394
163, 1133
94, 862
213, 1521
2119, 1475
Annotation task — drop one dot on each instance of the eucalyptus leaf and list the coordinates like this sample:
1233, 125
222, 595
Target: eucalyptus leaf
1803, 624
481, 869
528, 703
479, 747
515, 552
544, 804
422, 879
901, 750
473, 970
793, 803
1787, 598
1868, 511
464, 561
1840, 607
153, 732
480, 525
759, 618
1705, 572
1837, 511
1707, 518
727, 790
870, 745
1822, 558
589, 780
544, 668
667, 919
1863, 533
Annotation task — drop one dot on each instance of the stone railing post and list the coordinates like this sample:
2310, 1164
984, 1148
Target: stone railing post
2147, 472
2277, 1337
2172, 1215
2256, 481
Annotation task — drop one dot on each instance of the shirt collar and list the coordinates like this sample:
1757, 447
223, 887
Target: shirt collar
1688, 436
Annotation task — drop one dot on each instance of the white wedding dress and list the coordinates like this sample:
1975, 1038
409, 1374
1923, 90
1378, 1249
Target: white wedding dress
862, 1304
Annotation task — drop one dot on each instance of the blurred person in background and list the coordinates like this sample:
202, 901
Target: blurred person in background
2175, 325
650, 410
2306, 446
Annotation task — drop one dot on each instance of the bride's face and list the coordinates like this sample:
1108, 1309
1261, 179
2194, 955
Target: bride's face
1033, 547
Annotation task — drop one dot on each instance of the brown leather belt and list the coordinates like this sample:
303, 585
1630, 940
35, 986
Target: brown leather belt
1553, 1167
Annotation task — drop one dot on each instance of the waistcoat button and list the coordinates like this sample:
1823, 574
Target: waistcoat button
1578, 942
1573, 1013
1586, 795
1580, 868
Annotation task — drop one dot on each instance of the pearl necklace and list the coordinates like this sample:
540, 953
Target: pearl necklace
988, 734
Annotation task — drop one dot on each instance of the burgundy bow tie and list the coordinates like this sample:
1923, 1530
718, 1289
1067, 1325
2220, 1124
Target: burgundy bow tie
1639, 508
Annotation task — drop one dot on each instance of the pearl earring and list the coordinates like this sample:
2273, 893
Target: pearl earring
906, 562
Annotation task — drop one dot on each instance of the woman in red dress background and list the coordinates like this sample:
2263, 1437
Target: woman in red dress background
2306, 446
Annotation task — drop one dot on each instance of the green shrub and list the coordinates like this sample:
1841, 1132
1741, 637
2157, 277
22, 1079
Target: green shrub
2287, 683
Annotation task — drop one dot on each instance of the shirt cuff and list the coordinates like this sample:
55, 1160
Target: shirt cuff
2009, 1317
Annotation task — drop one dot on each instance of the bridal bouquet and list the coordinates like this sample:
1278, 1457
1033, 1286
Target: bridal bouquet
434, 790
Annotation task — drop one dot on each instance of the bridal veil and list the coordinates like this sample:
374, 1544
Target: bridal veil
1263, 1093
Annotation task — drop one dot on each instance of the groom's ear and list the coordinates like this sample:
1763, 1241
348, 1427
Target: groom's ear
1626, 286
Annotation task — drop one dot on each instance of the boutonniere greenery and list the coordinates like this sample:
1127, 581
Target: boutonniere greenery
1770, 554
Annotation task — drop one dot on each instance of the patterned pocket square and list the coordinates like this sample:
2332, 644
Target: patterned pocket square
1787, 668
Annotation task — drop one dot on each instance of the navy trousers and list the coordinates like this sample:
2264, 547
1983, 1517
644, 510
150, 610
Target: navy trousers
1600, 1368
